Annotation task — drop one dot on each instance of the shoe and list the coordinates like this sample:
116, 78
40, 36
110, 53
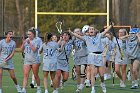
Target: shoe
32, 85
18, 89
103, 87
23, 91
77, 91
55, 91
108, 76
97, 76
122, 85
93, 91
35, 86
0, 90
46, 91
105, 76
51, 84
135, 86
61, 85
81, 86
38, 90
88, 84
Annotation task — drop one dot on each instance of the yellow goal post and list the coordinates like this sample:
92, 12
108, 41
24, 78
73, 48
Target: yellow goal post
71, 13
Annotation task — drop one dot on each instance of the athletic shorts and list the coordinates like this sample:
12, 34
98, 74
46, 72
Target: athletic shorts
95, 59
63, 65
80, 60
49, 65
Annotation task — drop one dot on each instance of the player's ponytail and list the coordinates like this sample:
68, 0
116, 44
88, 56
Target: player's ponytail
48, 37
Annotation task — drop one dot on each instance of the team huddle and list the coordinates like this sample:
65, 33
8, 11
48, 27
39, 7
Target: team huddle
94, 52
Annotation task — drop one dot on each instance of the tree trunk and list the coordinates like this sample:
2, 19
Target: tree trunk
19, 17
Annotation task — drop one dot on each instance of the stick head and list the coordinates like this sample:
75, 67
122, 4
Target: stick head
58, 26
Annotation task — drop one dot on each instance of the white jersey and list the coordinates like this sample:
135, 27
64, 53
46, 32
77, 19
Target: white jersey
6, 49
94, 43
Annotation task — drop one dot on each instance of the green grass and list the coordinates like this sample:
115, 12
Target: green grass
70, 85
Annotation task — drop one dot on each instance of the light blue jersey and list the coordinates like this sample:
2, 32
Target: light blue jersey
105, 41
40, 43
50, 56
80, 48
111, 50
5, 50
118, 56
64, 55
50, 50
66, 51
94, 43
112, 44
80, 54
133, 47
30, 56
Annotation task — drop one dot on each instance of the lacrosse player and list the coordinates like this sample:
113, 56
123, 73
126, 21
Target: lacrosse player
80, 60
121, 61
66, 45
133, 51
31, 60
39, 40
110, 57
49, 49
7, 50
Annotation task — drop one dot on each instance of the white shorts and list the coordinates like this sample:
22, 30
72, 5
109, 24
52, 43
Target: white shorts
80, 60
95, 59
49, 65
62, 65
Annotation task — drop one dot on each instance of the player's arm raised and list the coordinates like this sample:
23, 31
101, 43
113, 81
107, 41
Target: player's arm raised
62, 45
76, 35
107, 29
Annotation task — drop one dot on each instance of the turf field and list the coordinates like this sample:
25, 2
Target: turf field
70, 85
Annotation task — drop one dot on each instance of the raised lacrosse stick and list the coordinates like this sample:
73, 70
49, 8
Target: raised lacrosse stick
59, 26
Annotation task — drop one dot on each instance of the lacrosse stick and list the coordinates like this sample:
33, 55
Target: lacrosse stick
120, 50
59, 29
4, 63
59, 26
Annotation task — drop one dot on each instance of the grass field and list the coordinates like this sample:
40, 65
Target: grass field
70, 85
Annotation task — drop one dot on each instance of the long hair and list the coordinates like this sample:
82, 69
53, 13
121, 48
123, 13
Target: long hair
48, 37
32, 30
